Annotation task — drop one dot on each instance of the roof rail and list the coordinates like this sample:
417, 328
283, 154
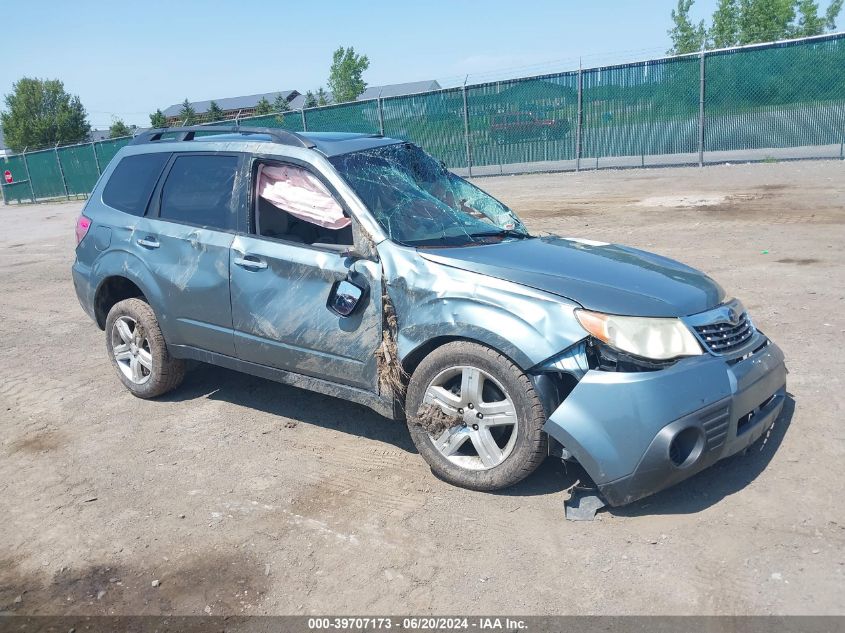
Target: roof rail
188, 133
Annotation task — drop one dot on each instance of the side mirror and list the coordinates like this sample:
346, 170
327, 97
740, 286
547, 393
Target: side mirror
344, 298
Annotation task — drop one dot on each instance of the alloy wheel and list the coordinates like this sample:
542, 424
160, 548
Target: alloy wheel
131, 350
485, 422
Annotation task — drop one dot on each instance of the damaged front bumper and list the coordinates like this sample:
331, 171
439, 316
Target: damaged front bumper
639, 432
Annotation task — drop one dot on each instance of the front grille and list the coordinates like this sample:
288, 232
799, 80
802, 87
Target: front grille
724, 337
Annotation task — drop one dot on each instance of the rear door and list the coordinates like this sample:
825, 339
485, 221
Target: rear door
280, 288
185, 240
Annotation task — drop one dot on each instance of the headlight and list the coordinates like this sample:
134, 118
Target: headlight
659, 339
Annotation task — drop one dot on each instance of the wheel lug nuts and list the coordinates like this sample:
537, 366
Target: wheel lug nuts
464, 425
474, 427
479, 415
461, 411
470, 405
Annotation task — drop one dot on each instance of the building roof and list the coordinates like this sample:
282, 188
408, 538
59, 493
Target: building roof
395, 90
231, 103
98, 135
296, 100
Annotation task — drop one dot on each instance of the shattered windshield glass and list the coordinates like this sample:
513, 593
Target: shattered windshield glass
419, 202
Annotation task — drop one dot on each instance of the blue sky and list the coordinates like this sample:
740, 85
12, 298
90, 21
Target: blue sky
127, 61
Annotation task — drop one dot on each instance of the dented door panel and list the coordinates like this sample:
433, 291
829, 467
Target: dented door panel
280, 317
190, 266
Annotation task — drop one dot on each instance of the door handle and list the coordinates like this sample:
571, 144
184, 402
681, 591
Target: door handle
149, 242
250, 262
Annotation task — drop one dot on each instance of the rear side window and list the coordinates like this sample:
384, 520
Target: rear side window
198, 190
132, 182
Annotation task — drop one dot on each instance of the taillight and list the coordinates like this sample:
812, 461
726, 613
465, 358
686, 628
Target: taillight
82, 226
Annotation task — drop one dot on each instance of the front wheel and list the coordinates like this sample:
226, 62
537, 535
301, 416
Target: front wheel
475, 417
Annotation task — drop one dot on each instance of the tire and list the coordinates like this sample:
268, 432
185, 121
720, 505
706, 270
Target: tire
143, 363
434, 413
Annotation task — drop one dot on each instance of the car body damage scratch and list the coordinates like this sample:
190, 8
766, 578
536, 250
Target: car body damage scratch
391, 375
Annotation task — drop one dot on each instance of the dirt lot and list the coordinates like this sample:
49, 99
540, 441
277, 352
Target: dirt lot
244, 496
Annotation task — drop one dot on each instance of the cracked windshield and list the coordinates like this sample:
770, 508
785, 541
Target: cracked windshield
419, 202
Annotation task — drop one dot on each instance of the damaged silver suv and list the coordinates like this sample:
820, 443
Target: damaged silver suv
360, 267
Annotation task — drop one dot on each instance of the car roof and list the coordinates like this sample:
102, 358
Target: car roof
327, 143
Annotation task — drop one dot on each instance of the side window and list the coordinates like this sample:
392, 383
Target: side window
131, 183
295, 206
198, 190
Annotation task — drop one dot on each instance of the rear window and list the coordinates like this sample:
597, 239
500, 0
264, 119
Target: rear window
198, 190
132, 182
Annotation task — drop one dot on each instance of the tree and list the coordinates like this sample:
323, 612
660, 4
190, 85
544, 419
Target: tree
322, 97
686, 37
310, 100
157, 119
118, 128
811, 23
765, 20
214, 113
740, 22
345, 81
187, 114
40, 113
263, 106
724, 31
280, 103
832, 13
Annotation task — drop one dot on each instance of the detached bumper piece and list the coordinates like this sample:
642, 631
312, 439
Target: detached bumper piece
636, 434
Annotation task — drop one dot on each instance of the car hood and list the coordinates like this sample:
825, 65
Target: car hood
602, 277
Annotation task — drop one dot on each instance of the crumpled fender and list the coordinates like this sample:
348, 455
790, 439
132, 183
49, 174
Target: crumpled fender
434, 300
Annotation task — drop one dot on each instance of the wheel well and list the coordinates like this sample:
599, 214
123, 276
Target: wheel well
416, 356
112, 290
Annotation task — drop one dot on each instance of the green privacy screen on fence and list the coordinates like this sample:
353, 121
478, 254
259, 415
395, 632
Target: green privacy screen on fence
52, 173
786, 95
782, 95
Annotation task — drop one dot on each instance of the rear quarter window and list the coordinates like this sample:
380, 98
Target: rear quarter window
131, 183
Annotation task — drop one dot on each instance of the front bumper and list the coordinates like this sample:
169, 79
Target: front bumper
637, 433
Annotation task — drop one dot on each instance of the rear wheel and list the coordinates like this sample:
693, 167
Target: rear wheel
137, 350
475, 417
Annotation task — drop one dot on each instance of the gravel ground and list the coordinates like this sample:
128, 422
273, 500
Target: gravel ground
238, 495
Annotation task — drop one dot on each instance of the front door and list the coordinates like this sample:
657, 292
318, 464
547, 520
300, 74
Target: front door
280, 317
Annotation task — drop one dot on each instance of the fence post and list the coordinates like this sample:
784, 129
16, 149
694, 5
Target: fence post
28, 178
304, 125
380, 115
466, 127
578, 123
701, 113
96, 159
61, 171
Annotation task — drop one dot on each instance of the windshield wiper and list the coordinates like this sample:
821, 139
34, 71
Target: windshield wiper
502, 233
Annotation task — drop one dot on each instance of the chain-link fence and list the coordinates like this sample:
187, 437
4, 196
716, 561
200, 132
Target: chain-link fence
781, 100
60, 172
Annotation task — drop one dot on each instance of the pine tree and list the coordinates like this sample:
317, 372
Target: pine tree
263, 106
157, 119
187, 114
215, 113
280, 104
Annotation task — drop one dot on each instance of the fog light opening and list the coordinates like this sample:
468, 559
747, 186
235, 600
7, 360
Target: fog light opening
685, 448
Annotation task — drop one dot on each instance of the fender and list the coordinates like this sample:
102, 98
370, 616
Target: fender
122, 263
